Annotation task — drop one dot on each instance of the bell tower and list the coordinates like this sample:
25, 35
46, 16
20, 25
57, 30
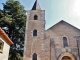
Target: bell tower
34, 33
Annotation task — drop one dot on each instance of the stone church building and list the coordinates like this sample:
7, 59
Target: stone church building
59, 42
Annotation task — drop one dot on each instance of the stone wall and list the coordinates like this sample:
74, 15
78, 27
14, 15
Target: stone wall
35, 44
60, 30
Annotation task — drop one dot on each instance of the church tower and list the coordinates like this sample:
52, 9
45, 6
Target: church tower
34, 35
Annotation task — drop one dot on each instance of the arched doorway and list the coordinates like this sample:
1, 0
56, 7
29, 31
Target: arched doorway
66, 58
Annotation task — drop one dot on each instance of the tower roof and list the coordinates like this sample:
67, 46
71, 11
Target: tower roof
36, 6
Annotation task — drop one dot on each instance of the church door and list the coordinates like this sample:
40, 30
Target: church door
66, 58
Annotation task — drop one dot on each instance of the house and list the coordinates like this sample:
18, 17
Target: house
59, 42
5, 43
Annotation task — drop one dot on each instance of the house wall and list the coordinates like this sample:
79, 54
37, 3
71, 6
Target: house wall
4, 55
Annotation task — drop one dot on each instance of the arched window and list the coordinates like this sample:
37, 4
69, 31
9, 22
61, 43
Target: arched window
34, 56
35, 17
65, 41
35, 33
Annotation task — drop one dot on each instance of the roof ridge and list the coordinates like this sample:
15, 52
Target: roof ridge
65, 22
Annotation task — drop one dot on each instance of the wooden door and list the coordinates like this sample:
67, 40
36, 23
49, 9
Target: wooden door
66, 58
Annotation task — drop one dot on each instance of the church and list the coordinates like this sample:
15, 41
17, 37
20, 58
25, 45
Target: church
59, 42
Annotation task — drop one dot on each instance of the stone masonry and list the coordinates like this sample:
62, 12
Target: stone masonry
49, 44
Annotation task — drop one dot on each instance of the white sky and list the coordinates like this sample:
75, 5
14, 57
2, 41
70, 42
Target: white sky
67, 10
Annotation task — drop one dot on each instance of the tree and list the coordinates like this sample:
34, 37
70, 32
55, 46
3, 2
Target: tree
12, 21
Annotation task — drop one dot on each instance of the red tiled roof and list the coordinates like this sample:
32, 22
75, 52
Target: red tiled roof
5, 36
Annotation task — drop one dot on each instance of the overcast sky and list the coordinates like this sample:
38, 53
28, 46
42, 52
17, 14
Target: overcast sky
56, 10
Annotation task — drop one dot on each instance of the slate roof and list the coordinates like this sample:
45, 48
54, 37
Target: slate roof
36, 6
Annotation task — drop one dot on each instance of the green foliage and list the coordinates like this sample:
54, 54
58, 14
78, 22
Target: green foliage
12, 20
